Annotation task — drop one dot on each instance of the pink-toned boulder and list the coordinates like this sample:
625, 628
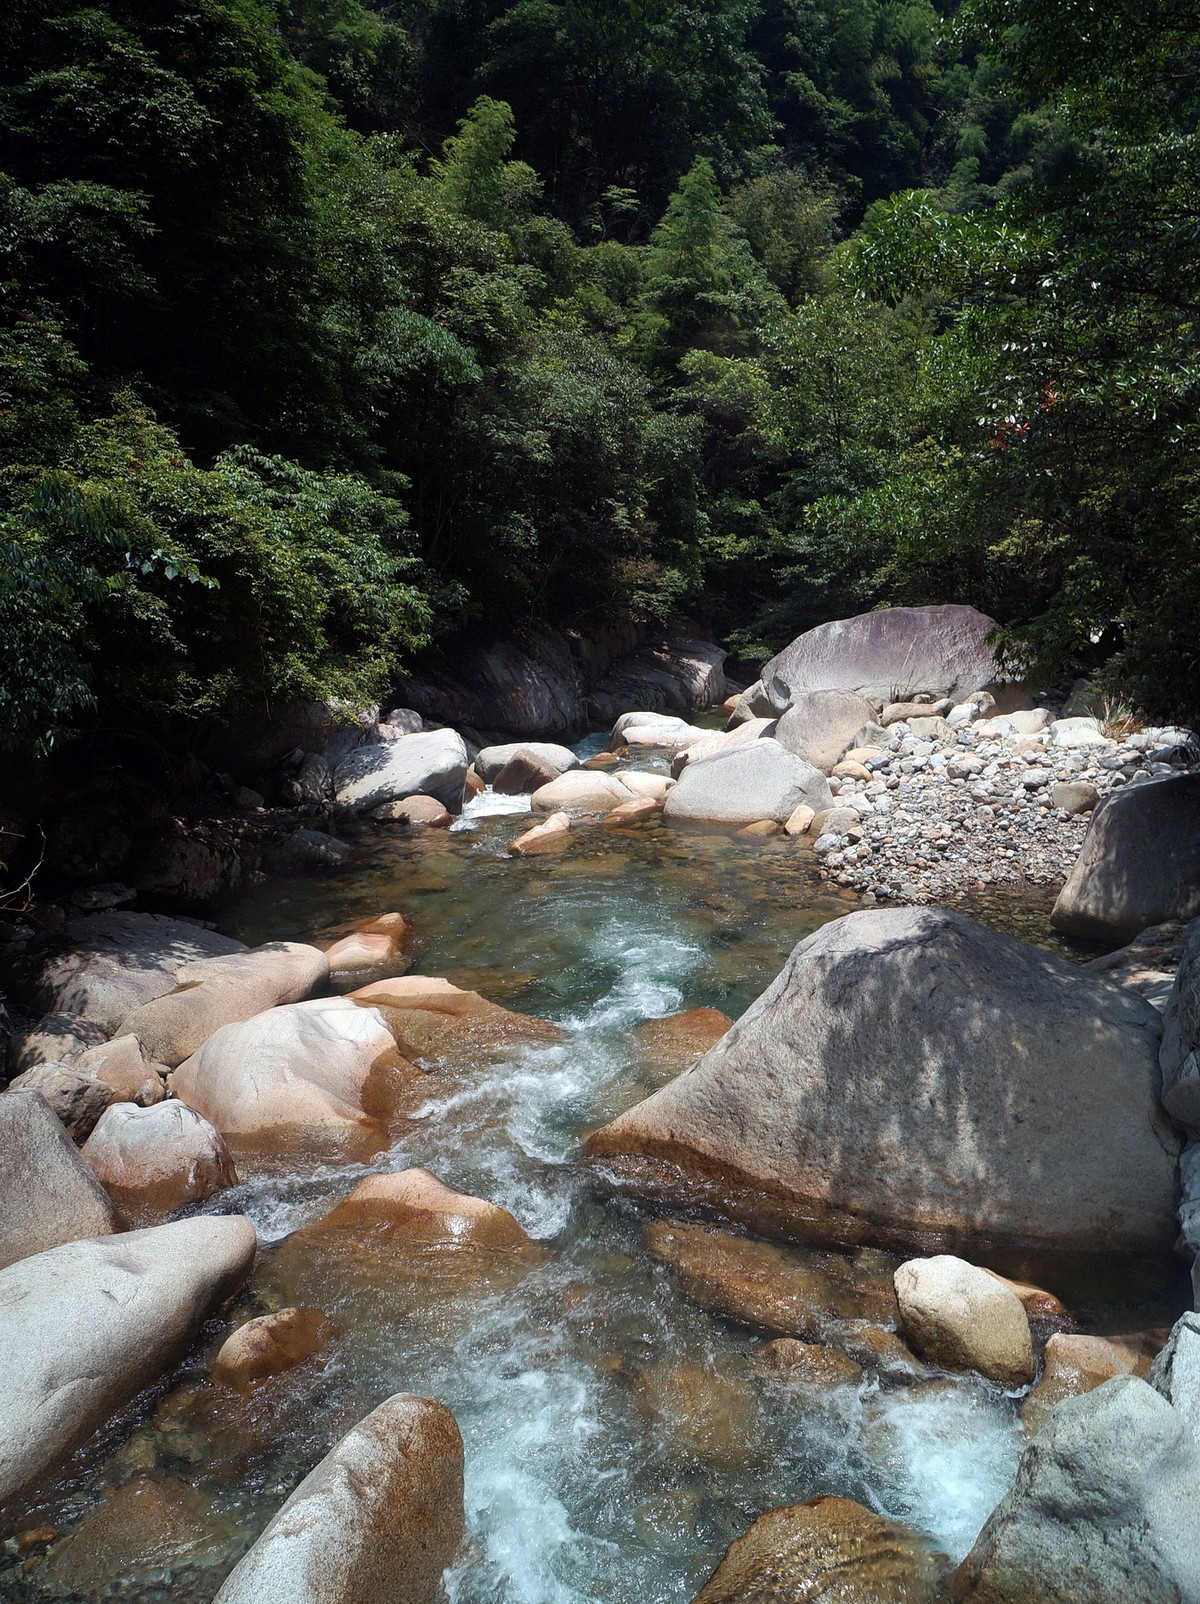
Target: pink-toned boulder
152, 1161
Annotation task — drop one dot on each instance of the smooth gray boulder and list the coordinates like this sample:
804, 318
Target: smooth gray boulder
821, 725
761, 780
891, 655
1176, 1371
110, 963
1139, 864
377, 1522
491, 759
48, 1195
907, 1081
1104, 1508
433, 763
218, 991
85, 1327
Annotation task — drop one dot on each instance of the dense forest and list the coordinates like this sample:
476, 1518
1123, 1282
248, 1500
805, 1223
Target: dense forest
331, 331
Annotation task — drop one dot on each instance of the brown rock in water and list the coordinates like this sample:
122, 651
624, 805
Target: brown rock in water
709, 1417
760, 1284
799, 820
416, 812
1073, 1365
868, 1096
152, 1161
761, 828
634, 811
602, 760
678, 1040
1046, 1312
415, 1203
808, 1362
378, 1520
267, 1345
552, 835
433, 1020
961, 1318
831, 1549
879, 1349
374, 949
48, 1195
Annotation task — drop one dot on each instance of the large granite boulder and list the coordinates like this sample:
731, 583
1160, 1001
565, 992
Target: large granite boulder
111, 963
762, 780
823, 725
377, 1522
48, 1195
152, 1161
217, 991
433, 763
906, 1081
1103, 1508
891, 655
491, 760
85, 1327
325, 1073
581, 791
1139, 864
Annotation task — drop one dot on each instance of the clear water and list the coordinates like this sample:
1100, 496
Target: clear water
617, 1436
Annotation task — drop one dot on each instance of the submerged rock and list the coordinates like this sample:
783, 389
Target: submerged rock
48, 1195
415, 1204
418, 812
272, 1343
372, 949
831, 1548
761, 780
808, 1362
1139, 864
959, 1317
678, 1040
906, 1081
433, 1020
378, 1520
152, 1161
1103, 1508
85, 1327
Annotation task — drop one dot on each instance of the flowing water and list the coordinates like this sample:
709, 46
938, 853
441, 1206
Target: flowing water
617, 1437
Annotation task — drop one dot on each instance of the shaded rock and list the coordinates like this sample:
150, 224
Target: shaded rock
524, 774
870, 1095
378, 1520
887, 656
433, 763
86, 1326
116, 961
677, 676
152, 1161
752, 703
1175, 1372
1139, 864
187, 863
580, 791
373, 949
959, 1317
48, 1195
678, 1040
415, 812
830, 1548
759, 781
268, 1345
492, 760
432, 1020
820, 725
1046, 1312
56, 1039
1179, 1058
1073, 1365
309, 852
550, 836
1103, 1508
1147, 965
314, 778
219, 991
121, 1064
76, 1098
322, 1073
809, 1363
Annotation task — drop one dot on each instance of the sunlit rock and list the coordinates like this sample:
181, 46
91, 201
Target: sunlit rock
268, 1345
959, 1317
152, 1161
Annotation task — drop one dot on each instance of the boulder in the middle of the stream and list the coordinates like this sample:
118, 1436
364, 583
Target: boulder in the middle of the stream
915, 1080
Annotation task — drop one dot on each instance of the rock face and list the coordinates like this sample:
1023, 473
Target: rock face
325, 1072
268, 1345
1139, 864
377, 1521
117, 961
832, 1549
85, 1327
891, 655
1103, 1508
681, 677
48, 1195
760, 781
218, 991
1176, 1371
961, 1318
821, 725
433, 763
152, 1161
906, 1081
